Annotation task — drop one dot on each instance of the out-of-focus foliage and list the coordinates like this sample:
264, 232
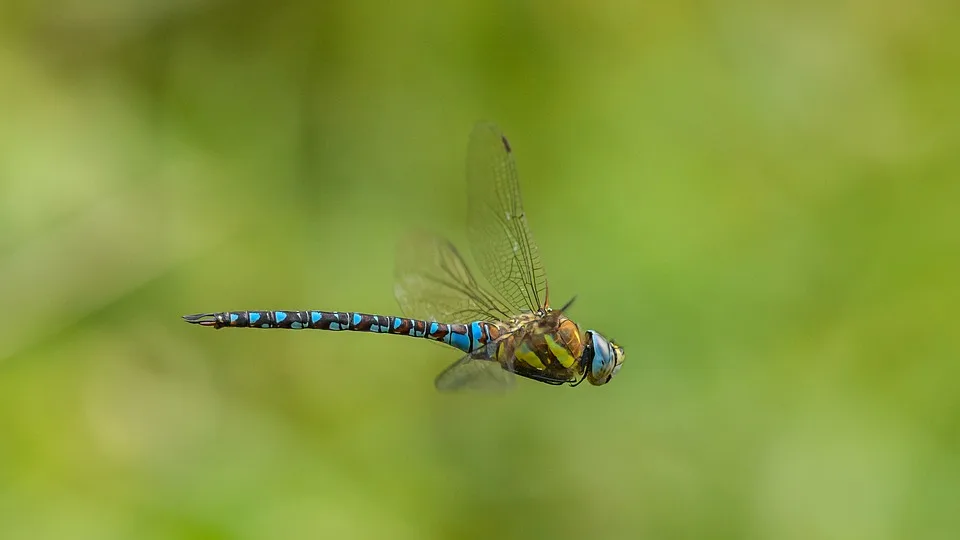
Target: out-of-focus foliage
759, 201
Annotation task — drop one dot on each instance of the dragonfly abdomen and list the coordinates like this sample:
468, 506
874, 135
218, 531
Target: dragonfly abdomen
466, 337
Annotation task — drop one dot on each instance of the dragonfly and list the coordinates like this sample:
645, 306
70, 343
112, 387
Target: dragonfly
505, 327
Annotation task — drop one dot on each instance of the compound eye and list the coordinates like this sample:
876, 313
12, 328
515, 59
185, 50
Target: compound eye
603, 358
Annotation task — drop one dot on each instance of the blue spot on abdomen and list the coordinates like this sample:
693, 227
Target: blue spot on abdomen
254, 317
279, 316
460, 341
476, 330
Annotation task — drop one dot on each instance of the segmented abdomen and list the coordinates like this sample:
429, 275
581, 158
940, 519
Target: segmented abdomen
466, 337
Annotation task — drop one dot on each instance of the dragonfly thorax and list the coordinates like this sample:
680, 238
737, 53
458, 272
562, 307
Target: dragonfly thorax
547, 348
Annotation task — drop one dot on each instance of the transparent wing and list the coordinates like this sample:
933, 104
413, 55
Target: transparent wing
501, 239
433, 283
476, 371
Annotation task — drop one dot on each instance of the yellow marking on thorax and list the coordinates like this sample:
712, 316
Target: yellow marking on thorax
563, 355
524, 354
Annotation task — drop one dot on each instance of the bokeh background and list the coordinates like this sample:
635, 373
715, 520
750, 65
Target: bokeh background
759, 201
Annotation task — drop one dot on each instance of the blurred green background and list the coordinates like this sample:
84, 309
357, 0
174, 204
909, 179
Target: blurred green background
759, 201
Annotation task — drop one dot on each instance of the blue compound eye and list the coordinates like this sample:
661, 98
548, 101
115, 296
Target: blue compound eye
605, 359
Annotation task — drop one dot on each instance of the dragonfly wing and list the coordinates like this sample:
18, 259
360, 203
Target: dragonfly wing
434, 283
501, 238
475, 372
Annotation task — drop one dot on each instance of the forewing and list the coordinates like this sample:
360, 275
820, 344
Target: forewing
434, 283
501, 239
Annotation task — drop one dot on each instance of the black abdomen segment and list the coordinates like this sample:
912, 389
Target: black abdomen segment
466, 337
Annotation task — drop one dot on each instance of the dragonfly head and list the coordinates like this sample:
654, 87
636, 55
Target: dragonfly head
602, 358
